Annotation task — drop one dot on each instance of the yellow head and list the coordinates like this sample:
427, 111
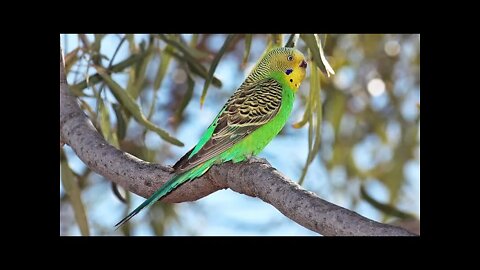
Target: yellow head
287, 64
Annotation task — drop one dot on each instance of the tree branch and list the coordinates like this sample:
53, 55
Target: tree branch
255, 178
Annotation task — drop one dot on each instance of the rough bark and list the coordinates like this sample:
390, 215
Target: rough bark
256, 178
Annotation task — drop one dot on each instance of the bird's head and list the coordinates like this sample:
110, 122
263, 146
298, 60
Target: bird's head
287, 64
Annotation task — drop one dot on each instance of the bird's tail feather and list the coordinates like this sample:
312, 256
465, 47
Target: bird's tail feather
167, 188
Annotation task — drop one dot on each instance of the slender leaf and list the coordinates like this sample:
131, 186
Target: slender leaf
319, 117
315, 46
188, 56
248, 45
111, 63
70, 59
162, 70
165, 58
314, 128
116, 51
214, 65
140, 71
336, 110
130, 105
186, 99
189, 51
307, 114
380, 129
194, 41
323, 58
117, 193
202, 72
71, 188
104, 118
310, 146
97, 41
84, 39
84, 105
121, 121
132, 46
107, 133
196, 68
134, 58
385, 208
292, 41
95, 49
277, 40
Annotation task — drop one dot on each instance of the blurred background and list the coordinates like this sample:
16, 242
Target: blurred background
353, 138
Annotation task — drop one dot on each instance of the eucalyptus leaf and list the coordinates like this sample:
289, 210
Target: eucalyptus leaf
277, 40
107, 133
214, 65
96, 78
121, 121
314, 127
385, 208
248, 45
292, 40
315, 46
165, 59
130, 105
190, 51
73, 191
70, 59
186, 99
188, 56
140, 71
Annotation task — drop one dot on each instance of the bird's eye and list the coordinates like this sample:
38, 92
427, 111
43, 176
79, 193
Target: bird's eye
290, 58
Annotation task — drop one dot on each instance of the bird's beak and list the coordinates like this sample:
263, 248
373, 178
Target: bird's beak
303, 64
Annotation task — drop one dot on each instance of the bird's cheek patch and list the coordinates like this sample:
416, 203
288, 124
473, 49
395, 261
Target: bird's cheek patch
288, 71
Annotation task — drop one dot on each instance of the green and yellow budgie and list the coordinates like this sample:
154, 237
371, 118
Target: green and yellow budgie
250, 119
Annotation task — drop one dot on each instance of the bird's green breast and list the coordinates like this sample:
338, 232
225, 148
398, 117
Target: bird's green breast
259, 139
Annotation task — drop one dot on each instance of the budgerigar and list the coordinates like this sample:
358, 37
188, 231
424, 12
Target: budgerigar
251, 118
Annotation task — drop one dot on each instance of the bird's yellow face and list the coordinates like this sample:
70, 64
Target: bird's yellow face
292, 65
287, 65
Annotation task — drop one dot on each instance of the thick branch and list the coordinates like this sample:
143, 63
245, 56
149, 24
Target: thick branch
254, 178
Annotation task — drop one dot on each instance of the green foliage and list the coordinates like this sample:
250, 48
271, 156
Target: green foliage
277, 40
91, 80
125, 99
312, 115
339, 117
71, 187
248, 45
314, 44
191, 56
292, 41
215, 61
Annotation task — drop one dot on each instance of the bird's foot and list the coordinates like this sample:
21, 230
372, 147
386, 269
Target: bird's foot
168, 169
255, 159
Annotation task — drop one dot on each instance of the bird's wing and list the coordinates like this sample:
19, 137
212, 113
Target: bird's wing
249, 108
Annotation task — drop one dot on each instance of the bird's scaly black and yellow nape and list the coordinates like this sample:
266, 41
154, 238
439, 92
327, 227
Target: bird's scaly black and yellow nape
251, 118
